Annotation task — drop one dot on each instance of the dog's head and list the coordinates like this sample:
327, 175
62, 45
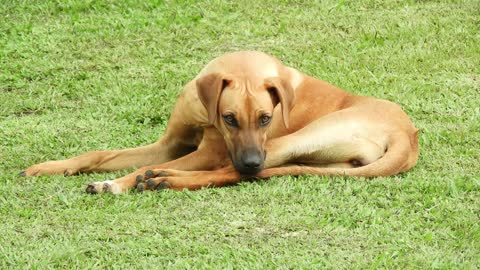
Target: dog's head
242, 111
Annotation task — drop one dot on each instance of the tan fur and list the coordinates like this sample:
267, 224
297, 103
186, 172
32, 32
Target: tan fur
315, 128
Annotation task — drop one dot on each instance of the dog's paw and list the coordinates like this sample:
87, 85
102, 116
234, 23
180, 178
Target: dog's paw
155, 173
158, 183
103, 187
153, 180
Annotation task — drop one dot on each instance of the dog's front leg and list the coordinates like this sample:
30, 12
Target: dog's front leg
210, 155
192, 180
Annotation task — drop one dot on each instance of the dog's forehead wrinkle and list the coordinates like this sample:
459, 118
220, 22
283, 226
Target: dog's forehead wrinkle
250, 83
248, 88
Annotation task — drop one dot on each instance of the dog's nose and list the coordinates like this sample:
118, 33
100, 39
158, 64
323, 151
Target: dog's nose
252, 162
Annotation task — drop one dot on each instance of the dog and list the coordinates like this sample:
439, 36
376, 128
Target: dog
246, 115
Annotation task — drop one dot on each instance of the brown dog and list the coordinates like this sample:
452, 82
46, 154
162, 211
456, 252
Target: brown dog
247, 115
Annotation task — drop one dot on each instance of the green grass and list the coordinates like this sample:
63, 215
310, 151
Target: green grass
89, 75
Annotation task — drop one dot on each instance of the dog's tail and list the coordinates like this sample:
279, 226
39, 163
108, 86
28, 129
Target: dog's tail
401, 155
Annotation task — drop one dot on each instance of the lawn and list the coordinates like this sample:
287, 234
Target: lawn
77, 76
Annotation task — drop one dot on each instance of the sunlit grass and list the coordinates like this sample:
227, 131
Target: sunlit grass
77, 76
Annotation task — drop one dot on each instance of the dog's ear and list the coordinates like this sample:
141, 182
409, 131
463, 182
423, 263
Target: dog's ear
209, 88
281, 91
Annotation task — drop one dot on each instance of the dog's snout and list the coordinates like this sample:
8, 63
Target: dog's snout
249, 162
252, 161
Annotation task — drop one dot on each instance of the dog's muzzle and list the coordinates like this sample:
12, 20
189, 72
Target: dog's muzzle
249, 162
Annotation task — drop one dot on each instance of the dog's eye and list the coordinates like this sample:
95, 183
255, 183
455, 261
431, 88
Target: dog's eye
230, 120
265, 120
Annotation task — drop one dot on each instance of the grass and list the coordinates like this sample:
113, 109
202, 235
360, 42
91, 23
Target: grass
77, 76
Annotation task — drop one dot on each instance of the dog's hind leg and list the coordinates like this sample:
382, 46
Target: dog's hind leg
348, 142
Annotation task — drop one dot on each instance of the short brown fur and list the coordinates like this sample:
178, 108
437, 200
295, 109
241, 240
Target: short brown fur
247, 115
